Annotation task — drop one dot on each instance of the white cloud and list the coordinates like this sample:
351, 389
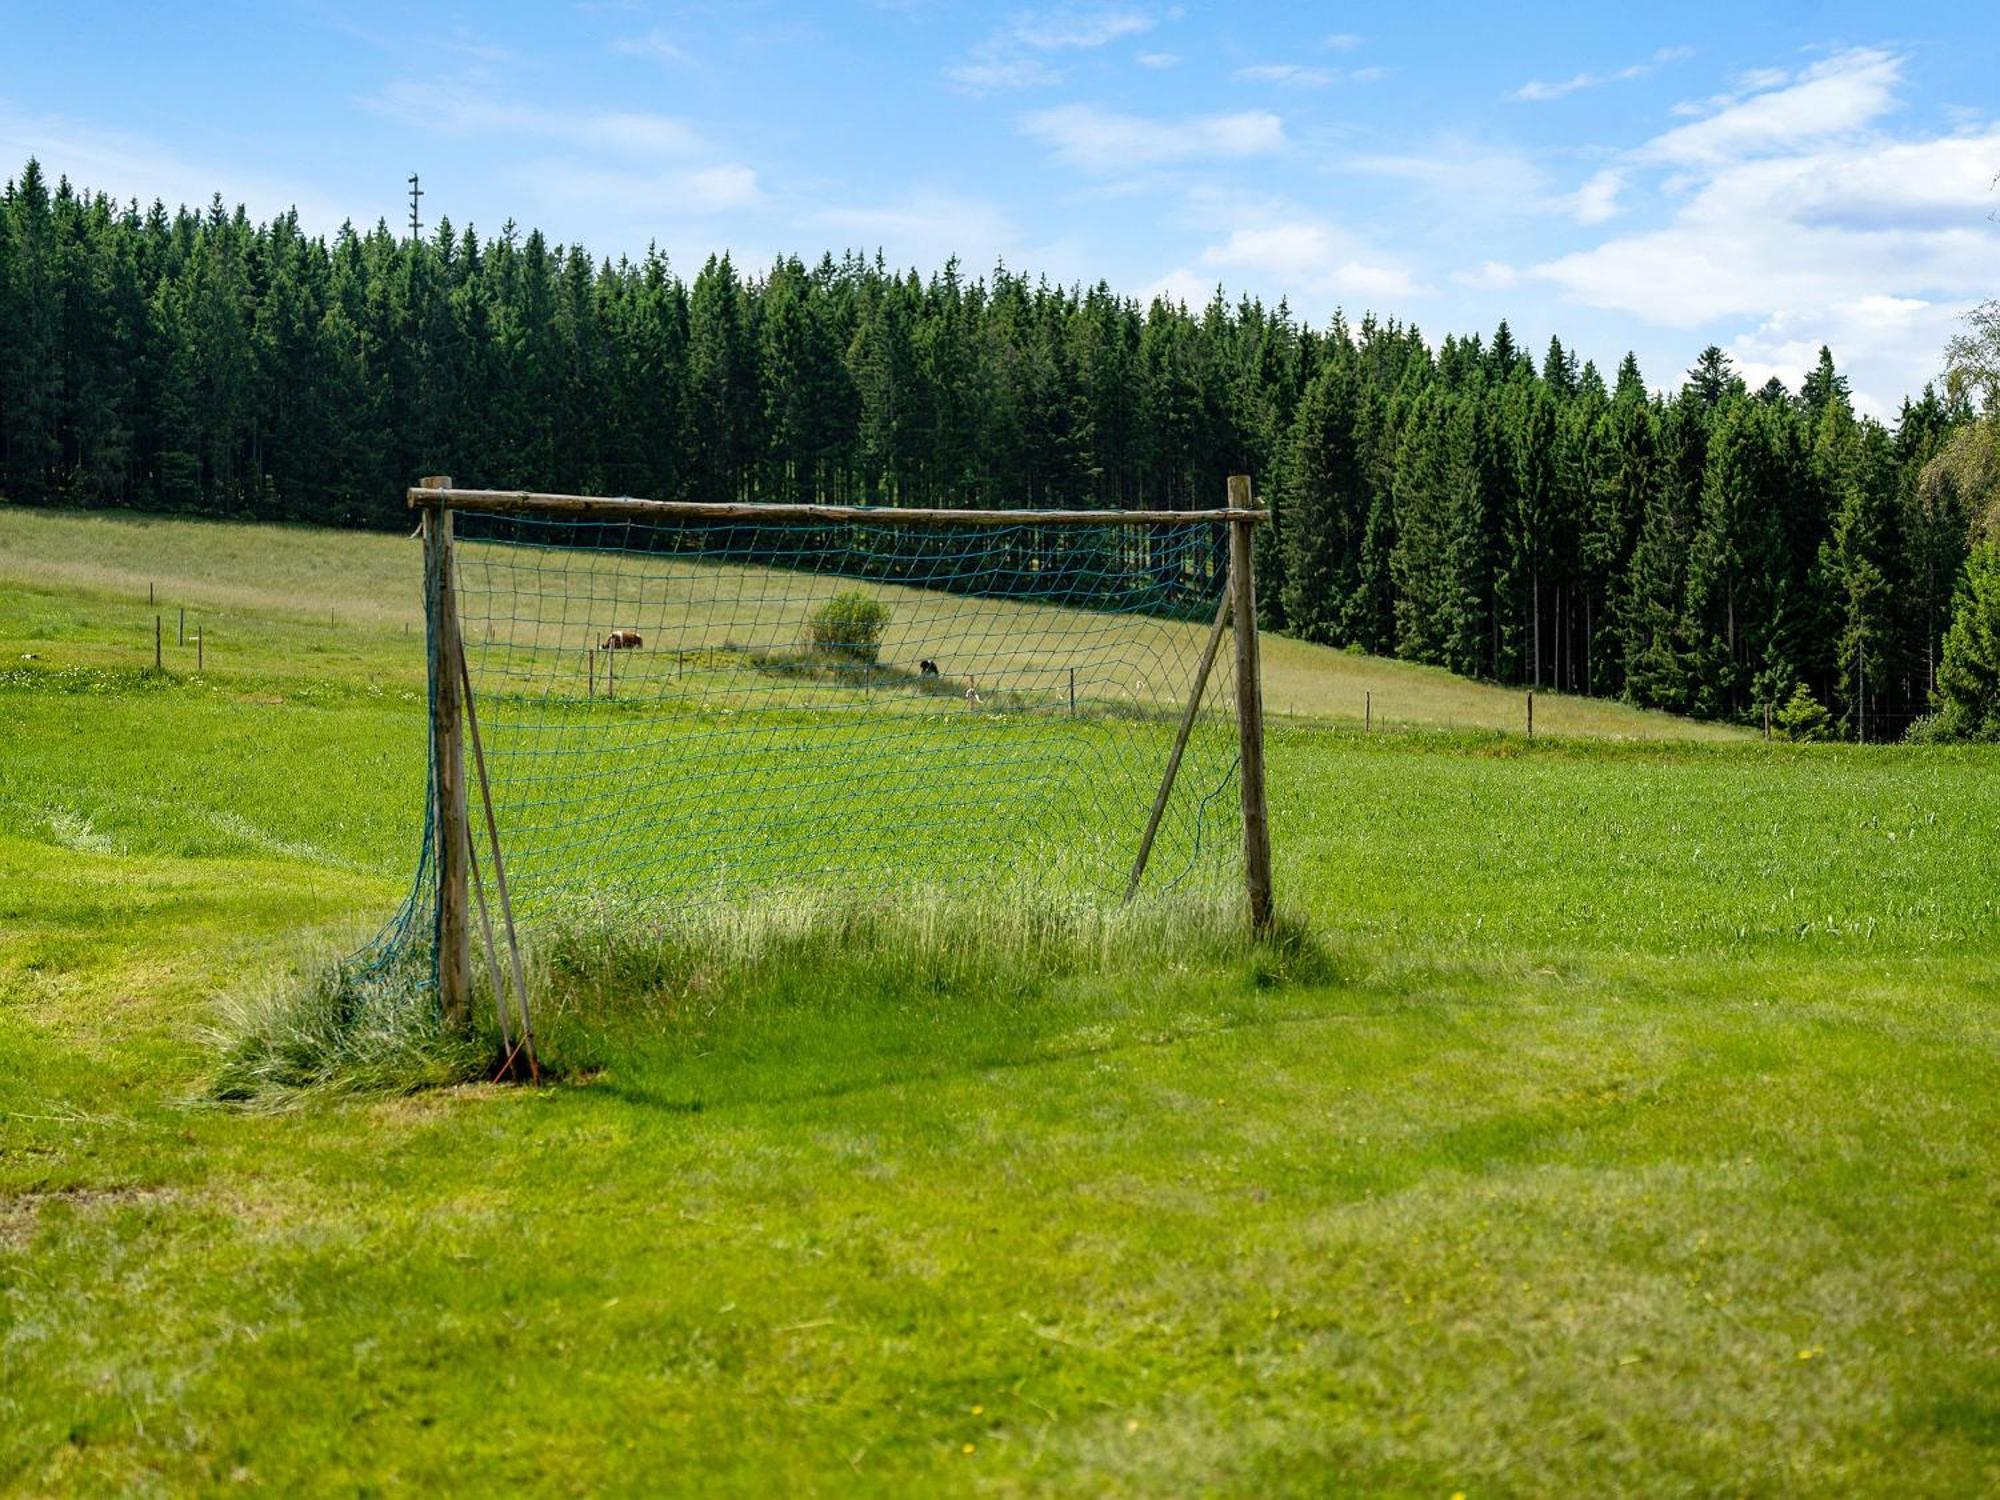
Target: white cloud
1537, 91
1303, 257
1368, 75
1181, 286
1822, 226
1100, 140
1798, 216
1342, 41
1869, 332
1158, 60
1292, 75
1835, 97
1489, 276
1597, 199
927, 228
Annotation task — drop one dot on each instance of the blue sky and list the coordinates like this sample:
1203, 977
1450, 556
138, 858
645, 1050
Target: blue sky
1764, 176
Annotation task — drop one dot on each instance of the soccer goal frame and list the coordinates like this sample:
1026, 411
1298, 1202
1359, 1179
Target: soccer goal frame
454, 724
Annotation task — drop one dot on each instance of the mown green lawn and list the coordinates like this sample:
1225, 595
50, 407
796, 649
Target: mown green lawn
1624, 1123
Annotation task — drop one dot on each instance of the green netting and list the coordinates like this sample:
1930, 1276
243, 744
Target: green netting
1005, 728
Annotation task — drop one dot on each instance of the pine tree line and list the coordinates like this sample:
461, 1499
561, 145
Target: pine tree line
1711, 551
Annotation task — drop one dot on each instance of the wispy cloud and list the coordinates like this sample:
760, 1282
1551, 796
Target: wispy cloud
1536, 91
1839, 94
126, 167
654, 46
634, 159
703, 190
1158, 60
1100, 140
1014, 56
1489, 276
1290, 75
997, 74
1298, 256
1342, 41
927, 228
1052, 30
457, 112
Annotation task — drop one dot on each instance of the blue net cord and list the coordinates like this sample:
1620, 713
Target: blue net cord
679, 711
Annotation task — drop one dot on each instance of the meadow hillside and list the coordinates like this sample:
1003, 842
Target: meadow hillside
1612, 1113
264, 594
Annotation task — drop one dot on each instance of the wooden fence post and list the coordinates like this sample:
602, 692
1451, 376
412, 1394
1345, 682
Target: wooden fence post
1249, 706
1531, 713
184, 626
454, 933
156, 643
1368, 711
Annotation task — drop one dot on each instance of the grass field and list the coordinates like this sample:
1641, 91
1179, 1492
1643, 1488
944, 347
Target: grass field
1623, 1120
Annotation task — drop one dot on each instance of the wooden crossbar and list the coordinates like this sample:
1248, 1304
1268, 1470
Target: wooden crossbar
621, 507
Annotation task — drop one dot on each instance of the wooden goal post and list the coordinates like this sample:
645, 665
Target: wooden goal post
436, 500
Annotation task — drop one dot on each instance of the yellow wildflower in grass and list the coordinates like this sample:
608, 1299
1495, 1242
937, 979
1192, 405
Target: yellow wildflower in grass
969, 1448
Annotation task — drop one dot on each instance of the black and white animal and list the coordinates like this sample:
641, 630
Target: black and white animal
927, 668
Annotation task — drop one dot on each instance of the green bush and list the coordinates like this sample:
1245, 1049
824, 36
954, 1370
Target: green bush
1802, 718
850, 626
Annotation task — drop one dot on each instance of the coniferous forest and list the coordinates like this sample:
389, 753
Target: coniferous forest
1510, 513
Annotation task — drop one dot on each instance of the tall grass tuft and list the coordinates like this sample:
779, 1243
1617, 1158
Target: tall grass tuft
329, 1028
604, 959
602, 964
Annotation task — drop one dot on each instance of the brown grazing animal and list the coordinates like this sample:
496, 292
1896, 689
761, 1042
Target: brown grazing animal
623, 640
